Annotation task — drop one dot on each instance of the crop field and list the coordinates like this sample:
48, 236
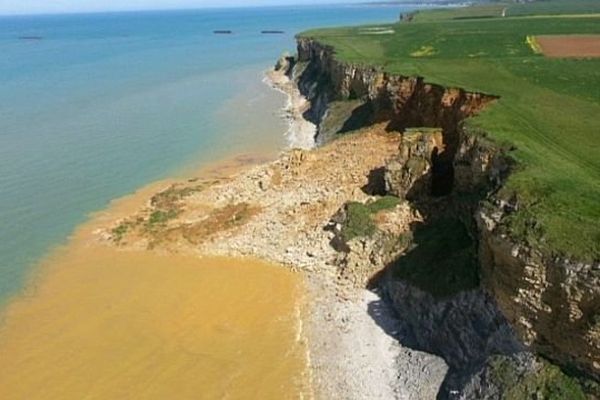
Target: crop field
548, 112
579, 46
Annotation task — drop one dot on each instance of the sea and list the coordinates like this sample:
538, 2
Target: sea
93, 106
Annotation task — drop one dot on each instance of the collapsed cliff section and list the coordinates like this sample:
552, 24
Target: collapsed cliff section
345, 97
459, 303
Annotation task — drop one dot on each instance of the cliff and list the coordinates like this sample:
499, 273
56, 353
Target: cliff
466, 304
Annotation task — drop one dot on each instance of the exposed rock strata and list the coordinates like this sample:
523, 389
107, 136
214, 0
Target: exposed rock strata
292, 212
399, 101
552, 303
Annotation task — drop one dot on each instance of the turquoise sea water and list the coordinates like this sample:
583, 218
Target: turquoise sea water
98, 105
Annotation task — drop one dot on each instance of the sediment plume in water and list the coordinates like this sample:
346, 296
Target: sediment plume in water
102, 323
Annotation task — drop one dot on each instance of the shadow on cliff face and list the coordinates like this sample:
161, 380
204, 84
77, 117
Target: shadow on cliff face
434, 290
359, 118
442, 173
375, 183
434, 285
441, 259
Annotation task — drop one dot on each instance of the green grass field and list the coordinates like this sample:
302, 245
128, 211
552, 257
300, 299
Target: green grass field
554, 7
549, 109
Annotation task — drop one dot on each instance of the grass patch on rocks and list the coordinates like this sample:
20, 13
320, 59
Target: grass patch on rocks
359, 217
164, 207
160, 217
168, 199
220, 220
548, 382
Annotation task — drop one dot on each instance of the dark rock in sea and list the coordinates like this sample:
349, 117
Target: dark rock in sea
272, 32
222, 32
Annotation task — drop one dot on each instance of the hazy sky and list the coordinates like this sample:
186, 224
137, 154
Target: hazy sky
57, 6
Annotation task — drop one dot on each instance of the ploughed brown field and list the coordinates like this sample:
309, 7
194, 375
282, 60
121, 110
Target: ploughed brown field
570, 45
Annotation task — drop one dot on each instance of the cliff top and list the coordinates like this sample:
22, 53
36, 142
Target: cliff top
548, 108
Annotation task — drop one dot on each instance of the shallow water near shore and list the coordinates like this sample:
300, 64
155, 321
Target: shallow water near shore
109, 325
103, 324
102, 104
100, 323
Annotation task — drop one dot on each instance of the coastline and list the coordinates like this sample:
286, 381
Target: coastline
261, 212
295, 229
98, 296
301, 133
66, 259
276, 222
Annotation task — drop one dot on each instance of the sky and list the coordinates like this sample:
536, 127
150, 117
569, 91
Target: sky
8, 7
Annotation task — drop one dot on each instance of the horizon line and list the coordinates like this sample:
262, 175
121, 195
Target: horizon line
225, 7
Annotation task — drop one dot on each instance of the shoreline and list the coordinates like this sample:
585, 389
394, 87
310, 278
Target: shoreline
85, 255
84, 237
295, 211
301, 133
340, 363
261, 212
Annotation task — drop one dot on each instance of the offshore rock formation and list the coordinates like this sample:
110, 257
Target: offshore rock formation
443, 168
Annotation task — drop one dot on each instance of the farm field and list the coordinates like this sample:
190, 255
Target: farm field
569, 45
548, 112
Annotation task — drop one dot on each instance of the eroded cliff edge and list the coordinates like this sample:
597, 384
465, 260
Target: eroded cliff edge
486, 286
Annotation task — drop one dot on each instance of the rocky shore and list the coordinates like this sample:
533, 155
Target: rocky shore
280, 212
301, 133
384, 219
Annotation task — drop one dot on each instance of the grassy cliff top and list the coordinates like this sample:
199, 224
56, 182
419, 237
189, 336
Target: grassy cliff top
549, 108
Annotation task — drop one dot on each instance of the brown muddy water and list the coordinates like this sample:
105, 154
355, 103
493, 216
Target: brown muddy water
97, 322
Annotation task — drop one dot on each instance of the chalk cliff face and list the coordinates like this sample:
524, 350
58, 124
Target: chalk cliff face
552, 303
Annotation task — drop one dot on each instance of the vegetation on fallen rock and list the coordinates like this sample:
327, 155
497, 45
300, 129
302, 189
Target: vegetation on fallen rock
343, 117
219, 220
359, 217
548, 107
161, 217
168, 199
119, 231
549, 382
164, 206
